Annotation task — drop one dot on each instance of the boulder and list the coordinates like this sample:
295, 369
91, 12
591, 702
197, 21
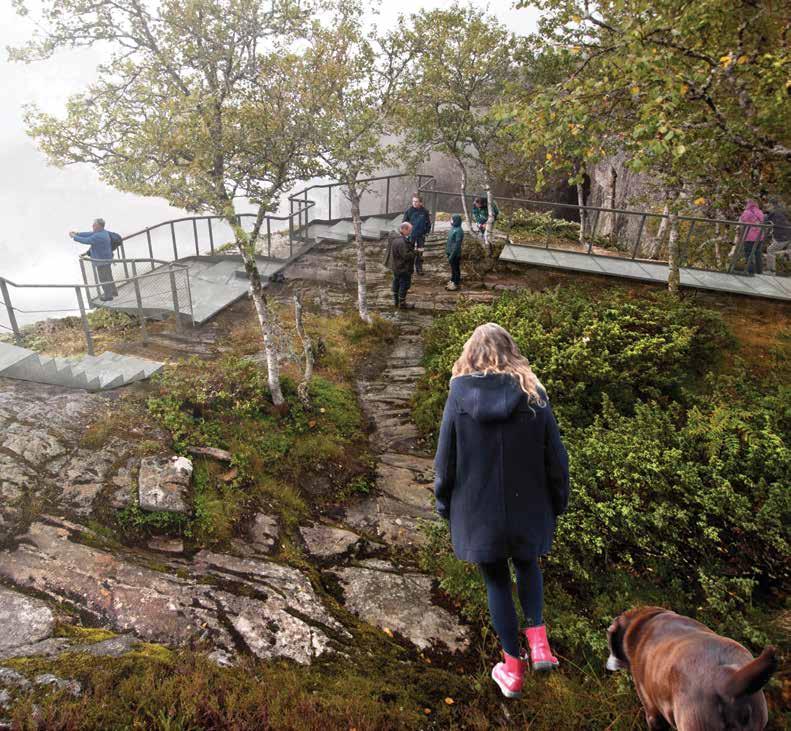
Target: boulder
163, 484
24, 620
324, 541
401, 603
263, 532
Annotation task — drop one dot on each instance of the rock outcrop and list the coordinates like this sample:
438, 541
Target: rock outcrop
164, 484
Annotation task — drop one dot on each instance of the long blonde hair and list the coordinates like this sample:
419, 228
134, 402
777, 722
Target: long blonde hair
491, 349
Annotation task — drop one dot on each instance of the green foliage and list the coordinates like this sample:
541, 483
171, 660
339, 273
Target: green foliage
679, 469
584, 349
282, 455
688, 90
533, 222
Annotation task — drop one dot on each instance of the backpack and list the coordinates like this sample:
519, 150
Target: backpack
387, 259
115, 240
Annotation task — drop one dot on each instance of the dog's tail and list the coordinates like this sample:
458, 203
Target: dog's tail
753, 676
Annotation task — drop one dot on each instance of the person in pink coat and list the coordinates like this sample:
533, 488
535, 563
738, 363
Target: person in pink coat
752, 237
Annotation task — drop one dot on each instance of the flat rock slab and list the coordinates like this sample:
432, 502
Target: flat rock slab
275, 614
164, 484
24, 620
324, 541
263, 532
401, 603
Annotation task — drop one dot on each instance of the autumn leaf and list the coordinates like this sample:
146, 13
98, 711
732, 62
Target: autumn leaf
635, 90
726, 61
449, 701
700, 201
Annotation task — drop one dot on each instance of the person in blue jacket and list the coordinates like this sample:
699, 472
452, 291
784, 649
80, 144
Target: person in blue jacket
420, 218
453, 252
101, 249
502, 480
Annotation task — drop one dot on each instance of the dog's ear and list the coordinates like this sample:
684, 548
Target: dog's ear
615, 633
753, 676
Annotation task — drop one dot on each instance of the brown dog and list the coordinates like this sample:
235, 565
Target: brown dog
686, 676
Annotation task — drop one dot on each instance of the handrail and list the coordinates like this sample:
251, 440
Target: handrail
83, 285
600, 209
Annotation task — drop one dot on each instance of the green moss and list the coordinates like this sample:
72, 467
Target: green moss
86, 635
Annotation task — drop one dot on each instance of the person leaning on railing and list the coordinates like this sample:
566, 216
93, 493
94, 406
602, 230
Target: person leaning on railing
101, 249
781, 234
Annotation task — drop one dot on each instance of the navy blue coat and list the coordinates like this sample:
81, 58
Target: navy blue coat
502, 473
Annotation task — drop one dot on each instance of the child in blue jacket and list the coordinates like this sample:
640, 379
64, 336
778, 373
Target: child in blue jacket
453, 252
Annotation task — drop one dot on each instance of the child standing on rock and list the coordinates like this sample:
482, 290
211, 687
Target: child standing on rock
453, 252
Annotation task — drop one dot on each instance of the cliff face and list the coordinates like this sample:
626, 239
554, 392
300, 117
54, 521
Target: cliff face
614, 185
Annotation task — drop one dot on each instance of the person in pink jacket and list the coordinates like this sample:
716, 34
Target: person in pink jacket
752, 237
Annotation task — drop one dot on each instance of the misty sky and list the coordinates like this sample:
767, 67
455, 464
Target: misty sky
39, 204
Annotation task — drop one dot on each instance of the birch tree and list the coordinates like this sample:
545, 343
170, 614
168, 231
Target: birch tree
201, 102
466, 59
356, 71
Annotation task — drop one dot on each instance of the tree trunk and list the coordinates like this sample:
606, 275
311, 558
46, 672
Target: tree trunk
463, 188
613, 215
488, 236
265, 317
583, 215
362, 287
653, 250
307, 346
673, 255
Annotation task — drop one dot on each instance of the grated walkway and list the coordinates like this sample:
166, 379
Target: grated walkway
759, 285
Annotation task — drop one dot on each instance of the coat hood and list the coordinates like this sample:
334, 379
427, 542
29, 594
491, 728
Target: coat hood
456, 221
491, 397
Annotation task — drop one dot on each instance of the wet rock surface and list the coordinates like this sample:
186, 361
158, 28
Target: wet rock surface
24, 620
324, 541
282, 618
401, 602
164, 484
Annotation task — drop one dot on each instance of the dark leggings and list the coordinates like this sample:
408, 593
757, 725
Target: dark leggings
529, 586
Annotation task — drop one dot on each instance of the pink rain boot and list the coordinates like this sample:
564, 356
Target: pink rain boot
541, 656
509, 675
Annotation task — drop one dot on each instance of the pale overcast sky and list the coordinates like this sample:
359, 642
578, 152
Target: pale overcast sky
39, 204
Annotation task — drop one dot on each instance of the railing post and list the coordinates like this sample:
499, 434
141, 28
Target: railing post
195, 235
139, 299
268, 236
291, 228
150, 248
593, 230
82, 269
639, 236
86, 328
123, 257
175, 294
434, 216
10, 310
173, 237
387, 196
329, 202
305, 231
211, 235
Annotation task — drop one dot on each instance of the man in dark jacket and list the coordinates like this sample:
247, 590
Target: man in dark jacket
781, 233
419, 217
101, 254
401, 259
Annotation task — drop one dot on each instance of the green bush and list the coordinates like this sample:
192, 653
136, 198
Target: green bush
533, 222
679, 470
584, 349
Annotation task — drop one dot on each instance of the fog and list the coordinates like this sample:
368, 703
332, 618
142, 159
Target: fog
39, 204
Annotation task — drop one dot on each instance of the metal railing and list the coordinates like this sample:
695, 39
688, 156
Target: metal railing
158, 292
203, 233
707, 244
377, 195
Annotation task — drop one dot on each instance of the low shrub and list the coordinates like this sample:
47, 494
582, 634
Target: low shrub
679, 470
584, 349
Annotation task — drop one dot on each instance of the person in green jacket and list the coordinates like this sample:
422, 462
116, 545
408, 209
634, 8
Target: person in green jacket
480, 214
453, 252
